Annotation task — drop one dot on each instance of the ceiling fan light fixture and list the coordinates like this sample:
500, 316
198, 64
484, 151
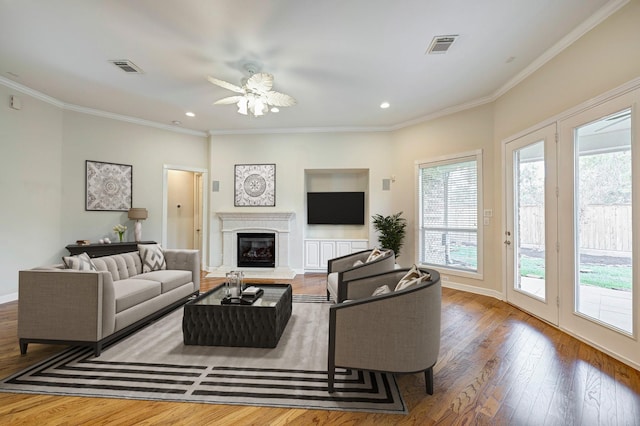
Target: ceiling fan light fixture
242, 106
255, 96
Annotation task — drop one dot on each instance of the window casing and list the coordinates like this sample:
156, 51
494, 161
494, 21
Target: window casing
449, 212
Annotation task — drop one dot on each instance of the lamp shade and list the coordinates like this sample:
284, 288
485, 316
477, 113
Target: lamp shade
138, 213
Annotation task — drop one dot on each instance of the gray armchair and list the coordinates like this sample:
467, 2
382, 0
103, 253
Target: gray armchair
397, 332
342, 269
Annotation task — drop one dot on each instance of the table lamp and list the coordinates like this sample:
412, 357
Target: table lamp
138, 214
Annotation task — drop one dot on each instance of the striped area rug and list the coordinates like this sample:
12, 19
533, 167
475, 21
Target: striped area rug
154, 364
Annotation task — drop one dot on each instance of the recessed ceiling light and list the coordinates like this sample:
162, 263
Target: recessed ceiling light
176, 122
275, 109
189, 114
385, 105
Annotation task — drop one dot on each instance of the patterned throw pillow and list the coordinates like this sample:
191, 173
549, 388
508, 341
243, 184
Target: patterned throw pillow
383, 289
376, 253
152, 257
80, 262
411, 278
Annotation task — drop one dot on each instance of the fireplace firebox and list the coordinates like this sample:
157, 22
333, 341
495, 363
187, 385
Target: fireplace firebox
256, 250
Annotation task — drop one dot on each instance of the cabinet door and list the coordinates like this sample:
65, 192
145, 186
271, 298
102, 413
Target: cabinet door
343, 248
327, 251
312, 255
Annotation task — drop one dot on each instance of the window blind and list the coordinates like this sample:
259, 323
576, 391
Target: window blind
449, 213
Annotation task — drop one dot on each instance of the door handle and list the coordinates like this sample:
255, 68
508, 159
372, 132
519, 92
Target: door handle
507, 242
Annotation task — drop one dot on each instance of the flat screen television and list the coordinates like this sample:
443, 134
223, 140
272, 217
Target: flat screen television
335, 208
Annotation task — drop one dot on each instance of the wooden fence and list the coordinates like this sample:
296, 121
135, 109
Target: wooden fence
602, 227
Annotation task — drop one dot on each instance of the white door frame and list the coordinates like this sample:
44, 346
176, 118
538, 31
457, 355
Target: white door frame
205, 203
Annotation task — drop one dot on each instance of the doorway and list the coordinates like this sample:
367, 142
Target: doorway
571, 223
184, 203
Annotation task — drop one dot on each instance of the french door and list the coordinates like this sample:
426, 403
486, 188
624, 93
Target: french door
599, 188
572, 216
530, 237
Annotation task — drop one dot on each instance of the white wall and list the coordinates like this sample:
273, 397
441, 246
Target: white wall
465, 131
147, 149
293, 154
42, 179
604, 58
30, 187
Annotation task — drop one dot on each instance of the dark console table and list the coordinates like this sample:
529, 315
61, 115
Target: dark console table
97, 250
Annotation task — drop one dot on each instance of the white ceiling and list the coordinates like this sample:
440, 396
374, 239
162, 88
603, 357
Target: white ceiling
339, 58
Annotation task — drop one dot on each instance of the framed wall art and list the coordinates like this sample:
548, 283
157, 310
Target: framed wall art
108, 186
255, 185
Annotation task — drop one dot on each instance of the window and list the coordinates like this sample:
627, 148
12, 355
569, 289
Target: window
449, 207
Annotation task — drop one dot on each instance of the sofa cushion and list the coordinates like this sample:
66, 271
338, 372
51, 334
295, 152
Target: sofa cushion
152, 257
80, 262
132, 291
170, 279
120, 266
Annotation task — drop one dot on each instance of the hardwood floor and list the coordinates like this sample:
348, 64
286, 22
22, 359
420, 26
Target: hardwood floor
497, 365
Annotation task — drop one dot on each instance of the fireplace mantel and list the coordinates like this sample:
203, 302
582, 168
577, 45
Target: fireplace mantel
235, 222
278, 221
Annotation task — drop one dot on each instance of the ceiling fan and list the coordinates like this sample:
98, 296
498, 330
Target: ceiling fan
255, 96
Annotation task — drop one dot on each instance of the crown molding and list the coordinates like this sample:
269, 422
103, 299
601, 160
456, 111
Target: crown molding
76, 108
594, 20
29, 91
300, 130
134, 120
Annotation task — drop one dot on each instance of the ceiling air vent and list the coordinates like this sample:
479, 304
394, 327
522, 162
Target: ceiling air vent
127, 66
441, 44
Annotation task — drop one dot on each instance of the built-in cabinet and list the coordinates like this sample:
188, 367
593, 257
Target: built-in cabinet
317, 252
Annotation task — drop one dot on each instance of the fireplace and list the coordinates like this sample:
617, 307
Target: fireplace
279, 223
256, 250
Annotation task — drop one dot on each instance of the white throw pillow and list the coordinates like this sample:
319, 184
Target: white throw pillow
152, 257
80, 262
383, 289
358, 263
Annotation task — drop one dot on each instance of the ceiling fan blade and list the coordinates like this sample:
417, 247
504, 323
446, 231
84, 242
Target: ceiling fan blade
226, 85
260, 82
229, 100
279, 99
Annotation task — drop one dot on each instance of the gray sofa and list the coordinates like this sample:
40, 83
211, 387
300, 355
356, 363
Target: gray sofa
396, 332
91, 308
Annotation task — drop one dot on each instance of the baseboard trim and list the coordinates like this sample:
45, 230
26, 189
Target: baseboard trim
11, 297
472, 289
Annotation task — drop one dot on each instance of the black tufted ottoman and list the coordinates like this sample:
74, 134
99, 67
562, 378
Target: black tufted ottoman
207, 322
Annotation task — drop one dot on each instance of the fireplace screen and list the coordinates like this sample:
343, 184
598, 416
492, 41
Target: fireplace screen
256, 250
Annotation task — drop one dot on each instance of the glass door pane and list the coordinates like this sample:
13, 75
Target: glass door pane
603, 225
529, 238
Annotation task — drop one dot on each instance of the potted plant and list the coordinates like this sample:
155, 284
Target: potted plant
392, 230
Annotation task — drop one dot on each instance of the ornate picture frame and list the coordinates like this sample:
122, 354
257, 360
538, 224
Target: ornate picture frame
255, 185
108, 186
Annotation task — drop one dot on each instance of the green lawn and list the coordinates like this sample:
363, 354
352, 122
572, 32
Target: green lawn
605, 276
